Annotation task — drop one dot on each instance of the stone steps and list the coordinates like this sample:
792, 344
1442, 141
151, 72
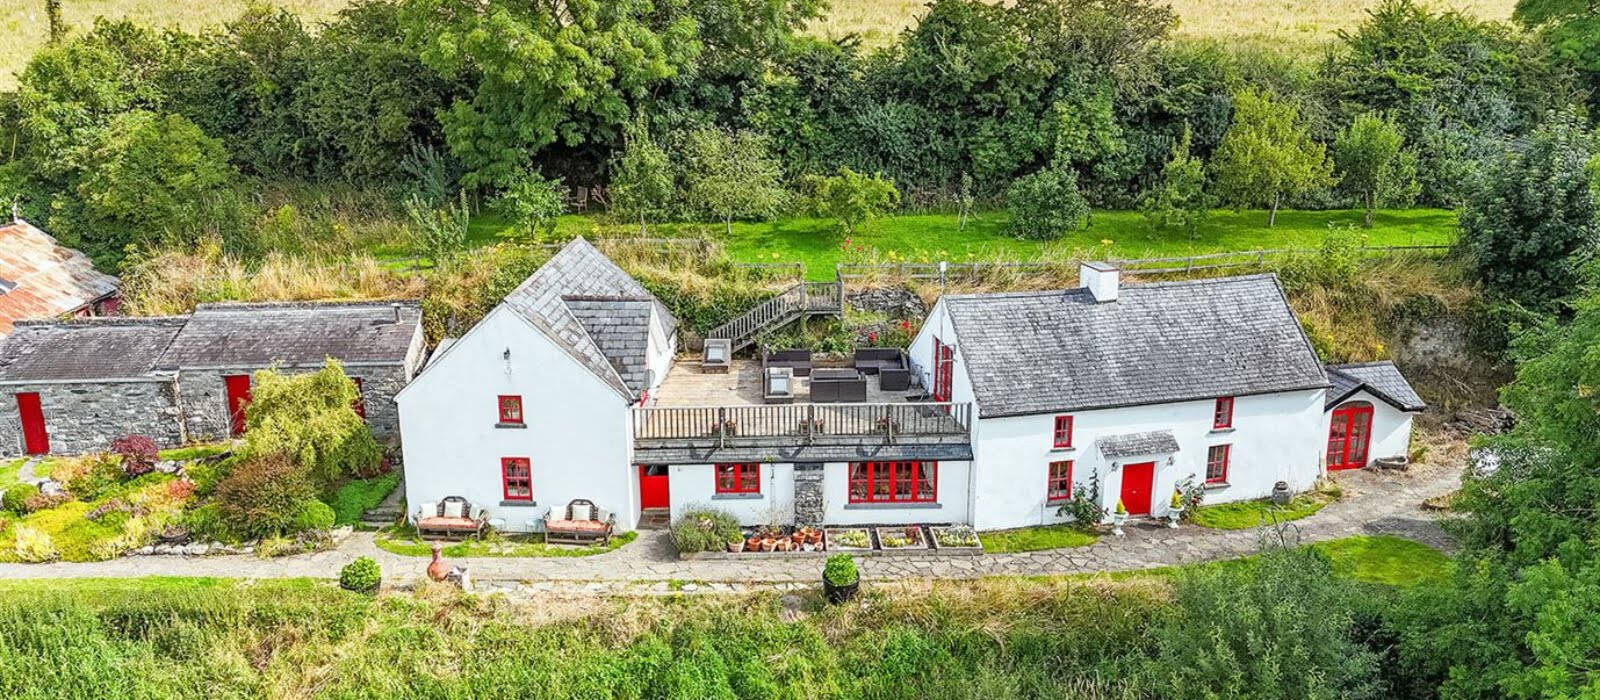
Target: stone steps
655, 519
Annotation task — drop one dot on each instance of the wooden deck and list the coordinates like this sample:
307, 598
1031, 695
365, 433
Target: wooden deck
686, 387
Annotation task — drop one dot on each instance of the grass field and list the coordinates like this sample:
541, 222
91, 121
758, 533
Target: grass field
1280, 22
1033, 539
23, 27
931, 237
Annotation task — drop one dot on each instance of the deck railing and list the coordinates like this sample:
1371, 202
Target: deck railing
808, 424
790, 304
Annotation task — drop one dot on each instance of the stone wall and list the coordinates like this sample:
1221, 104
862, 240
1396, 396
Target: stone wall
205, 398
808, 490
895, 302
86, 417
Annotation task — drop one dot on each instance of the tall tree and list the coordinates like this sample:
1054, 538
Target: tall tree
1373, 164
1267, 155
58, 28
1530, 218
1572, 29
732, 175
641, 181
563, 72
1180, 198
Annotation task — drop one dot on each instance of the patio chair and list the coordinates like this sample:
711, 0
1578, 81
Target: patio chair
450, 517
581, 522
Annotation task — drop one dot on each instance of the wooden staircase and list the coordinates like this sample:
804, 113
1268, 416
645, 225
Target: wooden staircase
802, 300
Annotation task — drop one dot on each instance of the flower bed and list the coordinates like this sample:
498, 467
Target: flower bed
956, 539
908, 537
850, 539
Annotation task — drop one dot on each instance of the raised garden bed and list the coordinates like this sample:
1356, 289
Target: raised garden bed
908, 537
956, 539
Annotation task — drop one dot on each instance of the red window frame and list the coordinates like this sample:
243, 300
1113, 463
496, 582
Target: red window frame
516, 478
1058, 484
510, 406
894, 482
1222, 413
1063, 432
738, 477
360, 405
1217, 461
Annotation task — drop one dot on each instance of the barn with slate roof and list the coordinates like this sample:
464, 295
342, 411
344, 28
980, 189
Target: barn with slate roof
71, 387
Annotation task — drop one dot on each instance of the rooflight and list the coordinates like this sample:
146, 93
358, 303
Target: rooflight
6, 285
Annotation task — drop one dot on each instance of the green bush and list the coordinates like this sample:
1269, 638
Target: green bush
1046, 205
16, 497
705, 530
840, 570
312, 419
205, 524
264, 495
357, 497
206, 474
90, 478
314, 515
361, 576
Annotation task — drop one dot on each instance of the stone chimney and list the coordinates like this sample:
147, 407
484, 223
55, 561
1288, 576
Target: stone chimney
1100, 279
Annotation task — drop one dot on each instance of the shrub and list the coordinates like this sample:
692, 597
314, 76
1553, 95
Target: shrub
705, 530
361, 576
39, 501
33, 545
314, 515
205, 524
138, 454
311, 418
88, 478
16, 497
1046, 205
840, 570
264, 495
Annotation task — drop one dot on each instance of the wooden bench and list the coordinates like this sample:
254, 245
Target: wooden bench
581, 522
451, 517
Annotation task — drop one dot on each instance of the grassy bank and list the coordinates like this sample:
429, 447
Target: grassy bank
818, 244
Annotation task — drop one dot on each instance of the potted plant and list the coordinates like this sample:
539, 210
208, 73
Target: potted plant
1175, 509
1118, 517
736, 543
840, 579
753, 542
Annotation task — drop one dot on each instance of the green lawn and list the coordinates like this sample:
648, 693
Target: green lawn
1244, 515
930, 237
10, 471
404, 542
1386, 559
155, 585
1033, 539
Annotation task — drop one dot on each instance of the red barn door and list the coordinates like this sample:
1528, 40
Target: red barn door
238, 397
35, 439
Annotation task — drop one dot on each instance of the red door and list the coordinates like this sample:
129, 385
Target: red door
1138, 481
653, 491
238, 397
35, 440
943, 368
1349, 433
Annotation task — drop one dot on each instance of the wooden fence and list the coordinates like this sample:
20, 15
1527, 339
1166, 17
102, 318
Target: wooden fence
1130, 266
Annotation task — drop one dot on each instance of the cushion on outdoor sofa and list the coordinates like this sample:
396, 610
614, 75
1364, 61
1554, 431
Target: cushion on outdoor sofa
449, 523
456, 509
583, 525
581, 511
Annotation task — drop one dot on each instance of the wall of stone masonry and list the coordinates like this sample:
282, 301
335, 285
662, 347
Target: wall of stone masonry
205, 398
808, 494
85, 417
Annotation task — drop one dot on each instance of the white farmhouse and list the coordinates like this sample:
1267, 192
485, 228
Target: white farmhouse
569, 389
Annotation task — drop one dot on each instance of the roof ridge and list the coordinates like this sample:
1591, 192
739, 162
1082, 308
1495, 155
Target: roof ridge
307, 304
1126, 287
105, 322
1358, 365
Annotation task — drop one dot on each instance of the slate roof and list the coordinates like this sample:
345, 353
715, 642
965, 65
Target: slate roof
40, 279
300, 333
86, 349
594, 311
1156, 442
1381, 379
1056, 351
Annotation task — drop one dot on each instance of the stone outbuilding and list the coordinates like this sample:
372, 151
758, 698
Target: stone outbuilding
74, 386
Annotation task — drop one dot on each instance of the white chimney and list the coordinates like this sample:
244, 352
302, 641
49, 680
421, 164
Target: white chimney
1100, 279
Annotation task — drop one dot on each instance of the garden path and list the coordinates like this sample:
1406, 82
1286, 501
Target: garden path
1374, 503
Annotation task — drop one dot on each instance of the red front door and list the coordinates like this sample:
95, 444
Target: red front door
238, 397
35, 440
653, 491
1349, 433
1138, 481
944, 363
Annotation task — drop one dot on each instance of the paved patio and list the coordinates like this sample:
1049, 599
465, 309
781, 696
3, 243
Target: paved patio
1374, 503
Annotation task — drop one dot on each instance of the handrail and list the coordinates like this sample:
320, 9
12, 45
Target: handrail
803, 297
805, 423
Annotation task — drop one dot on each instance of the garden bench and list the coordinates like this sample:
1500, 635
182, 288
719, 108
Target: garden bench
581, 522
450, 517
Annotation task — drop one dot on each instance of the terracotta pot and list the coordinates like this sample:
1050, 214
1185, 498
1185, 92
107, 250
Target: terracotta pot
735, 546
798, 537
769, 544
753, 544
437, 569
814, 537
785, 545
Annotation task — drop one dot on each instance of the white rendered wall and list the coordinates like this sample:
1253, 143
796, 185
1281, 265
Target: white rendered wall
660, 350
694, 486
938, 325
1275, 437
1391, 427
576, 439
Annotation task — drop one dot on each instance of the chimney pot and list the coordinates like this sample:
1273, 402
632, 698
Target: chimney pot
1101, 279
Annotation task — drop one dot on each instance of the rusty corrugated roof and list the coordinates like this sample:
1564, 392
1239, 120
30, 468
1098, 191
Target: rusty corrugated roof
44, 279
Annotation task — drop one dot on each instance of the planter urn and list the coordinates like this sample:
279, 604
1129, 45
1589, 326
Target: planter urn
1173, 516
1117, 519
840, 593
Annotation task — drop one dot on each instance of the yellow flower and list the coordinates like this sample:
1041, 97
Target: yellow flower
1105, 242
774, 256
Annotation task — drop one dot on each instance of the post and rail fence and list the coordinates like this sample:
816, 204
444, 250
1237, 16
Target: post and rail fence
845, 423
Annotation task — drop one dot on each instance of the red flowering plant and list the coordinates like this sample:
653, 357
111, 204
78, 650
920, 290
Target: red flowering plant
138, 454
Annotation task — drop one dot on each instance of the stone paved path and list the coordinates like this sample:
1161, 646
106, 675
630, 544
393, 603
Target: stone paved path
1374, 503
